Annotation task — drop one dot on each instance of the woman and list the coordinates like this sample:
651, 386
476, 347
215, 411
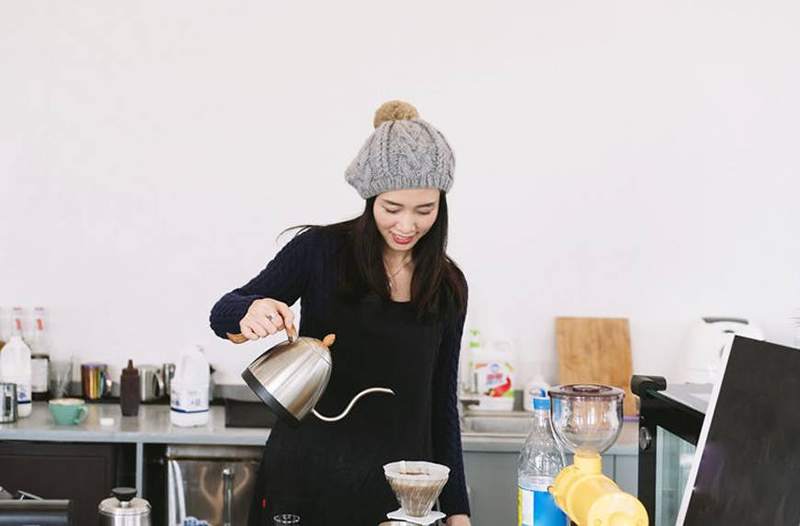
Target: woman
384, 285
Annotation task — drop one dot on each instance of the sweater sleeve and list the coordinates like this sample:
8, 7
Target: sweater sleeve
284, 279
446, 427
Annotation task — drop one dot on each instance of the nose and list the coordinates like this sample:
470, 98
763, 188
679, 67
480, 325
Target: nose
406, 224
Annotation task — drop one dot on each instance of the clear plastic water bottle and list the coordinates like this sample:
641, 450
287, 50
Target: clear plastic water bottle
540, 461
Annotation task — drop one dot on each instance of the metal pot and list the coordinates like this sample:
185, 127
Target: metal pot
151, 384
124, 509
167, 373
291, 377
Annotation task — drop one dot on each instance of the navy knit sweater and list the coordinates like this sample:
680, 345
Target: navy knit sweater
305, 269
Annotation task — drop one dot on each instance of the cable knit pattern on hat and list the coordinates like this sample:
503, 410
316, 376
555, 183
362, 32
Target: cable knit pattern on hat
402, 154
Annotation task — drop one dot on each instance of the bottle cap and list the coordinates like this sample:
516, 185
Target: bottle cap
541, 402
130, 369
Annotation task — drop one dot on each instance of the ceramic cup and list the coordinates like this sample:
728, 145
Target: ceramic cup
68, 411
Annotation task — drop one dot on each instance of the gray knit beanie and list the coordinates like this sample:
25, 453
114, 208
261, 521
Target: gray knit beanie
403, 152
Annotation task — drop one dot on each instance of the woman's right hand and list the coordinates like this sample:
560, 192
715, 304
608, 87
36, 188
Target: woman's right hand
266, 317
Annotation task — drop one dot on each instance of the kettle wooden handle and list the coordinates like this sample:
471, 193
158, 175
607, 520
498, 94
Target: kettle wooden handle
236, 338
291, 332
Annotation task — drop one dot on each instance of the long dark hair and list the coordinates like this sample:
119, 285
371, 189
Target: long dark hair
438, 288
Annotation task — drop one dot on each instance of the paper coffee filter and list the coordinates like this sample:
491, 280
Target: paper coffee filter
416, 484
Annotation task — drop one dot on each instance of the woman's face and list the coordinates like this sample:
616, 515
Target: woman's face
404, 216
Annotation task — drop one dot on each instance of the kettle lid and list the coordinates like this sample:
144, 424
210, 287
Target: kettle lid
124, 503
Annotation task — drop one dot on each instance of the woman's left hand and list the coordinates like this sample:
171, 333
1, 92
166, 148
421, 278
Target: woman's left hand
458, 520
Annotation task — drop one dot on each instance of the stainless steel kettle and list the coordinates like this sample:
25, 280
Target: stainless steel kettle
124, 509
291, 377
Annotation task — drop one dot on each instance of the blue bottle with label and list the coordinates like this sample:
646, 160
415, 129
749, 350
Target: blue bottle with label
540, 460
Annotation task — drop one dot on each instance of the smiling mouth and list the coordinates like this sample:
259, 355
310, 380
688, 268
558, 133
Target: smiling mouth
401, 240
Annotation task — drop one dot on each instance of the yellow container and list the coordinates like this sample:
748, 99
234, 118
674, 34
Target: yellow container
590, 498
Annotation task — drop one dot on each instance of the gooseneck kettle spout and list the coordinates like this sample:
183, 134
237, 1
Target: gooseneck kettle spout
352, 403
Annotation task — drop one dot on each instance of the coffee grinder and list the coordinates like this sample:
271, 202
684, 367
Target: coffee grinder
587, 419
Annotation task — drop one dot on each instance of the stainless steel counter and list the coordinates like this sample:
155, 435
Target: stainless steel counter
153, 426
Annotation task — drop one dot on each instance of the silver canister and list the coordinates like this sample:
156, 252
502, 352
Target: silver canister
124, 509
167, 374
8, 403
151, 384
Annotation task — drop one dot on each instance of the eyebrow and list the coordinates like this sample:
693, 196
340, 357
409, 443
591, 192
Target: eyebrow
426, 205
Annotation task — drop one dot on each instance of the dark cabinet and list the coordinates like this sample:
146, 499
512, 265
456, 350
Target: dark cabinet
83, 473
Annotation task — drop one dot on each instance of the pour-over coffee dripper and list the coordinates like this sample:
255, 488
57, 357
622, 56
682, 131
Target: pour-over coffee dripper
587, 419
416, 485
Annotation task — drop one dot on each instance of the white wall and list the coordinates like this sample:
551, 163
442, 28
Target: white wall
618, 158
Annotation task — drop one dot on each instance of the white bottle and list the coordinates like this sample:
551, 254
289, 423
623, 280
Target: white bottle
474, 345
189, 389
494, 371
40, 355
17, 323
15, 368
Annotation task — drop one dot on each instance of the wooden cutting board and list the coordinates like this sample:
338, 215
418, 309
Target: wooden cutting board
596, 350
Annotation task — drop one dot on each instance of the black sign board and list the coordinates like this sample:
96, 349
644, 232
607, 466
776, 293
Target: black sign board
749, 449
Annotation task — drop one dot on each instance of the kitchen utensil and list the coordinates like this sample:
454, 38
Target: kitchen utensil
587, 419
68, 411
596, 351
416, 485
404, 518
707, 341
60, 378
8, 403
167, 374
291, 377
124, 509
151, 384
15, 368
95, 381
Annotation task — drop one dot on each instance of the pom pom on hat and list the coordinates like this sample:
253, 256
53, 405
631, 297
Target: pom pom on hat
395, 110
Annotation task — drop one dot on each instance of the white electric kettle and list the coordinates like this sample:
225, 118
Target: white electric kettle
706, 344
